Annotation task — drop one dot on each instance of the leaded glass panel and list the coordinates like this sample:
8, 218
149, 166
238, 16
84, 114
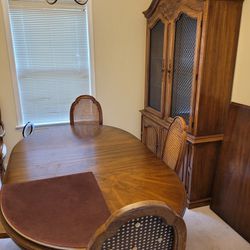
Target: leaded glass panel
184, 53
155, 66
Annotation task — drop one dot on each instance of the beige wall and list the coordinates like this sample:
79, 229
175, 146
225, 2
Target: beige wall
119, 34
241, 89
7, 101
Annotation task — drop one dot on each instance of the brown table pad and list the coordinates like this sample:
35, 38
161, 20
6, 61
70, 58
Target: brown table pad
63, 211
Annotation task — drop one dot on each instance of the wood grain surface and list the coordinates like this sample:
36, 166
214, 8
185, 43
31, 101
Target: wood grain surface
231, 190
217, 31
126, 171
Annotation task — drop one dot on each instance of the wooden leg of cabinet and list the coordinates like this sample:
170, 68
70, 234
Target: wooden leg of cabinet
198, 203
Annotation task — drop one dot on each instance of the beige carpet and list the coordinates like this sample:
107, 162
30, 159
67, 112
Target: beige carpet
206, 231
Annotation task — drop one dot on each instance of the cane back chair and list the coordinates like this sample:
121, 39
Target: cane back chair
143, 225
86, 109
175, 143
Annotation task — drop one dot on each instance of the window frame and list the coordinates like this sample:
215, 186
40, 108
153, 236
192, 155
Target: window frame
16, 91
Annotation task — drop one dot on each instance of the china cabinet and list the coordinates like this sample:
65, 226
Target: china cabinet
190, 59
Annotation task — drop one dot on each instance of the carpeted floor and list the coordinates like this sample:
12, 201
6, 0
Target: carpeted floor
206, 231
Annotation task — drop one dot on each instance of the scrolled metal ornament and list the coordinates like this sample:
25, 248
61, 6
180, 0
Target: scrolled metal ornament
77, 1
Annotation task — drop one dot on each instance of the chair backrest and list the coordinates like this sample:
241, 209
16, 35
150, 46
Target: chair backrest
2, 132
3, 149
1, 163
28, 129
175, 143
3, 153
86, 109
141, 226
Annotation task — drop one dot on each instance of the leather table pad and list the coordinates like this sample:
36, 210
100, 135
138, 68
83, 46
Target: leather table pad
63, 211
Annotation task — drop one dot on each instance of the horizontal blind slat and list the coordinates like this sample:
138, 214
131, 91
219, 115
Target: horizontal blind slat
52, 59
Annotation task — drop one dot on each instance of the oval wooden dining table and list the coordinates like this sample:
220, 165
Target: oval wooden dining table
125, 170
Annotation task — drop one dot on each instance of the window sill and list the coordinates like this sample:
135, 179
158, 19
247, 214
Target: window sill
37, 125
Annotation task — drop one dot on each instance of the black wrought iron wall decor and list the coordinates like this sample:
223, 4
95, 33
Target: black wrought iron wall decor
77, 1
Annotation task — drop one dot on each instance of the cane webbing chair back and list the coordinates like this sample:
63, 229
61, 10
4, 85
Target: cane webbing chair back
86, 109
141, 226
174, 148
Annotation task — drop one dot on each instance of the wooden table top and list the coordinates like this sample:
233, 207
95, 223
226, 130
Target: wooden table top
126, 171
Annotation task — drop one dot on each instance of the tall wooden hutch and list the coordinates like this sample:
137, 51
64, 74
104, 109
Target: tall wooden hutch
190, 60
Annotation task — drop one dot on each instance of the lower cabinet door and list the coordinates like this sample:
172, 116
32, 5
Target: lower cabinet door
150, 135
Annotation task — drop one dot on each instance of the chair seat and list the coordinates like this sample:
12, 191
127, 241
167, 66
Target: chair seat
59, 212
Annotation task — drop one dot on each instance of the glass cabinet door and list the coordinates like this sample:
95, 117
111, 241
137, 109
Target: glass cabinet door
155, 73
183, 66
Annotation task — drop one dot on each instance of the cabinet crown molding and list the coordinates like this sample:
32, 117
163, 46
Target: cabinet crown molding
166, 6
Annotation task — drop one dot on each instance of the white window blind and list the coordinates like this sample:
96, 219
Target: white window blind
51, 49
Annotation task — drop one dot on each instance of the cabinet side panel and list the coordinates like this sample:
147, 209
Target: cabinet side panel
231, 190
203, 164
218, 63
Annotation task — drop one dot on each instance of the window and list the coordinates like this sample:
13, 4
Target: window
52, 57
